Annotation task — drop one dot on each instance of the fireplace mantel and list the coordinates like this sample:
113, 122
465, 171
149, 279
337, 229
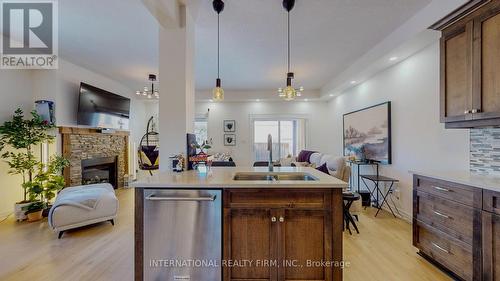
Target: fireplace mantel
89, 131
87, 143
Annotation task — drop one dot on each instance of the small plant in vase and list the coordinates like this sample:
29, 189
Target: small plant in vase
204, 146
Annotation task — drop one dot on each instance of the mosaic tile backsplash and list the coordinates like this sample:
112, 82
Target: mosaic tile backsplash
485, 150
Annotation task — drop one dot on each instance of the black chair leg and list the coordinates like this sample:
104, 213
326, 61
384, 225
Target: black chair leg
112, 222
357, 218
60, 234
150, 172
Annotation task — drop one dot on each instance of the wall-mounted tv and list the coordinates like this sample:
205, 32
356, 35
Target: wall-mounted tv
98, 108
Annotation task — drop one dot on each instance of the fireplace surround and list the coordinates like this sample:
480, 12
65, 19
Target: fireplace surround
87, 147
100, 170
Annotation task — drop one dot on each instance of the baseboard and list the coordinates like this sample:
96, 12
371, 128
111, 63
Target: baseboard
401, 215
3, 215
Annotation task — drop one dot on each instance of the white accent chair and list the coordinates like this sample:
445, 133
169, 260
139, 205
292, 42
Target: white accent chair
79, 206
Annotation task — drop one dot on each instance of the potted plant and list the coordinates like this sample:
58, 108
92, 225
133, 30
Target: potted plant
51, 180
34, 210
18, 137
205, 145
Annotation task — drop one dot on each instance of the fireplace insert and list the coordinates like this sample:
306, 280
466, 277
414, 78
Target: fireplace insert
100, 170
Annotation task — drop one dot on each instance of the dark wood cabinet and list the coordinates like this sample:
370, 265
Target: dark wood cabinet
305, 236
284, 233
470, 67
251, 235
458, 227
456, 73
446, 225
491, 246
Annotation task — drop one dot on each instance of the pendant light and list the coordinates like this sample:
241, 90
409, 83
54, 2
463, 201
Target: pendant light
149, 93
289, 92
218, 92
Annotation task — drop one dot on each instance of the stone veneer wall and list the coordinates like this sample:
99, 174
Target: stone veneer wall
88, 146
485, 150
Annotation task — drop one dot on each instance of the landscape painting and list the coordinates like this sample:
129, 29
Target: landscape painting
367, 134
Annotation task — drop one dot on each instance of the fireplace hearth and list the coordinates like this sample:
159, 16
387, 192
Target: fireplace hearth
100, 170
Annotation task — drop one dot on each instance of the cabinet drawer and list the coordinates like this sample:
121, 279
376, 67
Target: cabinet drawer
448, 216
307, 199
491, 201
466, 195
444, 249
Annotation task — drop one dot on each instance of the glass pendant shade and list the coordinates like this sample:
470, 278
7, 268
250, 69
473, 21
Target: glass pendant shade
289, 93
218, 92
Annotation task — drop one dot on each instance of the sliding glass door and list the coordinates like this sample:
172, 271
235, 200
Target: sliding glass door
288, 138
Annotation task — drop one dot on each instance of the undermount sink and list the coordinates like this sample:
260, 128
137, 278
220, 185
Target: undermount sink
273, 177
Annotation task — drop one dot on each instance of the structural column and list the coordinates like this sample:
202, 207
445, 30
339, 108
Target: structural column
176, 79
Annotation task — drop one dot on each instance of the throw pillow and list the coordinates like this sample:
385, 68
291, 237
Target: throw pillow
323, 169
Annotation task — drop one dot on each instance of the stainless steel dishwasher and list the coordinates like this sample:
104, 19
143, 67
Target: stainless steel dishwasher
182, 235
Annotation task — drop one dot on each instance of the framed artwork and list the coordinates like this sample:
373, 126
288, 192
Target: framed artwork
229, 126
367, 134
229, 139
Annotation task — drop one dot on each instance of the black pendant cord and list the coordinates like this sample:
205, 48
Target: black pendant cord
288, 41
218, 48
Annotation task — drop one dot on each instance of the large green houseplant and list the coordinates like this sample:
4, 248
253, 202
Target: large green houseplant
18, 139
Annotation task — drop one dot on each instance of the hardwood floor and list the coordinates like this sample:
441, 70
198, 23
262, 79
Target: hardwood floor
30, 251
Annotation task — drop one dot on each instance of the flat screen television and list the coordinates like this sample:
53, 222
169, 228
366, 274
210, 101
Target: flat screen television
98, 108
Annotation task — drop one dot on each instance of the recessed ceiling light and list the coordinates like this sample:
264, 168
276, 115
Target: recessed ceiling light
306, 99
257, 100
210, 100
393, 58
353, 82
331, 95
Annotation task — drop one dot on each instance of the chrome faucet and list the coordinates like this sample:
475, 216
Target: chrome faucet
270, 149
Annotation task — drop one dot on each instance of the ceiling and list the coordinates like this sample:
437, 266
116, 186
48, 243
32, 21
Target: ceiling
119, 38
116, 38
327, 36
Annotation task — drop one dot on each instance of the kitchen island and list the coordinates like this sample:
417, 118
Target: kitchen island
239, 224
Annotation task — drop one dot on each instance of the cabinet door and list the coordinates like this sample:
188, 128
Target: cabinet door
250, 235
491, 247
456, 74
486, 102
306, 240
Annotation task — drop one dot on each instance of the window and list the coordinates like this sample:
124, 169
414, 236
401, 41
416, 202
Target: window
201, 130
288, 138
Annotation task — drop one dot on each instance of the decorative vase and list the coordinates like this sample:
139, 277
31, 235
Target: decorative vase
35, 216
19, 213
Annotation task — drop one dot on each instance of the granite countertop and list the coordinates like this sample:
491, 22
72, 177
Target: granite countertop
222, 177
464, 177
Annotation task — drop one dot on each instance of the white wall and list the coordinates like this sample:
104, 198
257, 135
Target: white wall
16, 92
316, 127
419, 141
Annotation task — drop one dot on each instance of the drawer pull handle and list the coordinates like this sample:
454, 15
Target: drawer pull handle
440, 248
282, 219
441, 189
442, 215
273, 219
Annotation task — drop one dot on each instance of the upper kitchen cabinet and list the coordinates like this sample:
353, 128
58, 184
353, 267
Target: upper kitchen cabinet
486, 103
470, 65
456, 74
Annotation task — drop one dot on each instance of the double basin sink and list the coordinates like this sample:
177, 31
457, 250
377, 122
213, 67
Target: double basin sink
272, 176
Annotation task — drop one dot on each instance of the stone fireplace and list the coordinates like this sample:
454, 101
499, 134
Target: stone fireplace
94, 156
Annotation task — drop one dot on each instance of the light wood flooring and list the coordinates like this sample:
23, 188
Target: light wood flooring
30, 251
